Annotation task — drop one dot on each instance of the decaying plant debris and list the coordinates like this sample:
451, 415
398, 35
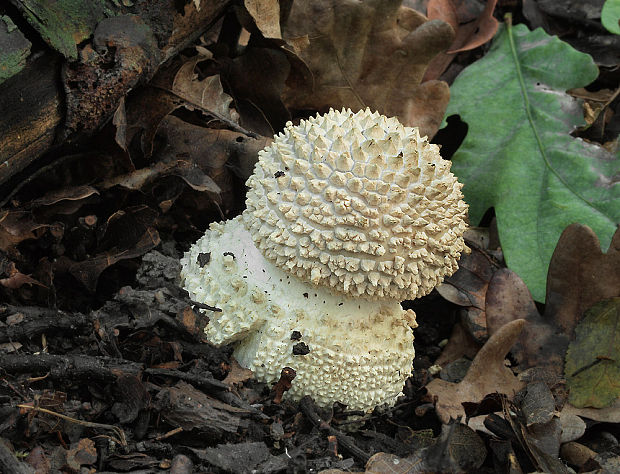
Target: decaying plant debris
145, 127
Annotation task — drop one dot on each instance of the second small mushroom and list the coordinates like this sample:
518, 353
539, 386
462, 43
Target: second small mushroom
347, 215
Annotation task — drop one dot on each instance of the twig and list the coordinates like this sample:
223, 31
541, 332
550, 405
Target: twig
348, 444
119, 432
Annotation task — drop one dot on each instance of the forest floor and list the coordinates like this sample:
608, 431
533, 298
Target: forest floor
104, 365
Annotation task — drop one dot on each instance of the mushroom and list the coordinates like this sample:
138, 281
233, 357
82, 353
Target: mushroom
347, 215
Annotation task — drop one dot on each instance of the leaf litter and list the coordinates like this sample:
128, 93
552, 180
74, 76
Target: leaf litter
103, 332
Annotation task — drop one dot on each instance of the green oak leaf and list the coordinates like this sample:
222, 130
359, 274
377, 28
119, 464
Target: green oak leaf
610, 16
518, 156
592, 367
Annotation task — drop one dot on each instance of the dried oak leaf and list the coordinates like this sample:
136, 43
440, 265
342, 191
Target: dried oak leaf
538, 433
88, 271
580, 274
266, 16
237, 374
460, 344
216, 151
206, 94
487, 374
369, 54
468, 34
218, 157
256, 80
480, 32
468, 288
457, 449
82, 453
15, 279
186, 170
17, 226
66, 193
593, 358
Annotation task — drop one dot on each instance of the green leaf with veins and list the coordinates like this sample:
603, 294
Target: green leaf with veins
592, 367
518, 156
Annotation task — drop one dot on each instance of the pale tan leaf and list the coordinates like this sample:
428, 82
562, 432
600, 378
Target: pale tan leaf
207, 94
487, 374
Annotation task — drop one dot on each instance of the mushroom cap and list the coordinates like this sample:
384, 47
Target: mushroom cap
358, 203
345, 350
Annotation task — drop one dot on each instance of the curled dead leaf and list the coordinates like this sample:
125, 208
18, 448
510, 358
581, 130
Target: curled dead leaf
17, 279
482, 31
470, 31
88, 271
205, 94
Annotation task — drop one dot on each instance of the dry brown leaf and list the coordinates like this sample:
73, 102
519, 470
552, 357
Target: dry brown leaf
256, 80
606, 415
460, 344
580, 274
468, 34
266, 15
144, 112
541, 344
17, 279
468, 288
457, 449
119, 120
482, 31
237, 374
579, 263
468, 10
369, 54
10, 347
82, 453
66, 193
17, 226
205, 94
487, 374
214, 150
221, 156
140, 178
443, 10
88, 271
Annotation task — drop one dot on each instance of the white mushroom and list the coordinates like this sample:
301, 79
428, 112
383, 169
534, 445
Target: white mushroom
347, 215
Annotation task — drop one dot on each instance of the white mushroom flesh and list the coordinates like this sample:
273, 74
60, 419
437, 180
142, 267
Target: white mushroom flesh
348, 350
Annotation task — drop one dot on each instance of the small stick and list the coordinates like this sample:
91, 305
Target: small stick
119, 432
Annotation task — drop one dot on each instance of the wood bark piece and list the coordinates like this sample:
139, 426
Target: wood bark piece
9, 463
14, 49
308, 408
35, 320
31, 110
106, 369
33, 104
69, 367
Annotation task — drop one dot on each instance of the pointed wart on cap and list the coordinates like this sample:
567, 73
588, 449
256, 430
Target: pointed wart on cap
365, 175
